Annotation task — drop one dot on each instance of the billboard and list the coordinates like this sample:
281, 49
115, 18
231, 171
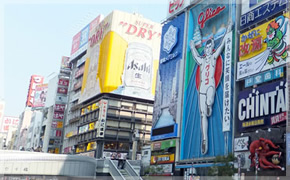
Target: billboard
264, 106
168, 78
34, 80
9, 121
65, 63
80, 40
264, 47
253, 11
176, 6
207, 106
40, 95
122, 57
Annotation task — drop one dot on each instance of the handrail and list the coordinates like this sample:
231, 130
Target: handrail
131, 171
114, 171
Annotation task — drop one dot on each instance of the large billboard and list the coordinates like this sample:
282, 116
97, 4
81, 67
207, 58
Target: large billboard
34, 80
264, 106
254, 11
122, 57
80, 40
207, 106
264, 47
168, 78
40, 95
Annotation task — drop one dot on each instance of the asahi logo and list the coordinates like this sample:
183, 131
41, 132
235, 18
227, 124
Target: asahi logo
142, 67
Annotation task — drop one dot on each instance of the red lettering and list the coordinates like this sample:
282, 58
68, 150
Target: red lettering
151, 34
142, 32
209, 13
129, 29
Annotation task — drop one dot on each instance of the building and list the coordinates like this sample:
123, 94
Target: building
111, 101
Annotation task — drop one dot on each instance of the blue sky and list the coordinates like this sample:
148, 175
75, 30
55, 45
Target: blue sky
38, 33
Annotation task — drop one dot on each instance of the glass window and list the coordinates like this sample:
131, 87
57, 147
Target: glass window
110, 145
123, 146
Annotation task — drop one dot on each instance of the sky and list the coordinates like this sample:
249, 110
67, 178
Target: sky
35, 34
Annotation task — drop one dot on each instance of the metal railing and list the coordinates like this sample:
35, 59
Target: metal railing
114, 171
131, 171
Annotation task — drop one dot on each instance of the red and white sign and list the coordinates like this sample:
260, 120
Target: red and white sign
78, 85
65, 63
63, 82
62, 90
9, 121
208, 14
80, 72
54, 124
58, 115
40, 95
34, 80
278, 118
175, 6
59, 107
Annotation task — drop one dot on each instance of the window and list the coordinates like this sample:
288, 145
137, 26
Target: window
110, 145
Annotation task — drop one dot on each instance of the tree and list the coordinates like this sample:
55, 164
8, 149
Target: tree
226, 170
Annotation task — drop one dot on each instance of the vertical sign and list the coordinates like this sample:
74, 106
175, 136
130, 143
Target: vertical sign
227, 83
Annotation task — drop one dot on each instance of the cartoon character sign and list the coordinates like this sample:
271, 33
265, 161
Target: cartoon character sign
207, 79
264, 47
207, 82
275, 42
260, 150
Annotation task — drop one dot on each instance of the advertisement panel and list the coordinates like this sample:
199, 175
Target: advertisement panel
80, 40
264, 47
65, 63
176, 6
207, 107
34, 80
58, 115
9, 121
62, 90
59, 107
63, 82
263, 106
122, 57
40, 95
254, 11
79, 72
162, 159
241, 144
166, 94
161, 145
162, 169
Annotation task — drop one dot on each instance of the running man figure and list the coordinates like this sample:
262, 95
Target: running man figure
207, 88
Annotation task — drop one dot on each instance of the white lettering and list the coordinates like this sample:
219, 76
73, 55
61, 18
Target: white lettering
242, 114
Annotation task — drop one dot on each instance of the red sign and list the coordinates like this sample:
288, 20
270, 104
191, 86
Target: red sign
140, 29
80, 72
63, 82
34, 80
58, 133
59, 107
77, 85
175, 5
62, 90
209, 13
58, 115
278, 118
54, 124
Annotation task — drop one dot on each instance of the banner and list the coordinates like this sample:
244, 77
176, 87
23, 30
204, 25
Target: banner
207, 106
34, 80
167, 87
264, 47
40, 95
262, 106
162, 159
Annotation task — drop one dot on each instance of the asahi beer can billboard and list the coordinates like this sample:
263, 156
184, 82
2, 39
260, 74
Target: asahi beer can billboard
122, 57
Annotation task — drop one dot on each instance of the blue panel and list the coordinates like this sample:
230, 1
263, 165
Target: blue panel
249, 82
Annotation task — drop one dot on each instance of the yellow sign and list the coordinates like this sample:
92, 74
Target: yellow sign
91, 146
95, 106
69, 134
162, 159
122, 57
56, 151
59, 124
267, 35
82, 111
253, 123
91, 126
